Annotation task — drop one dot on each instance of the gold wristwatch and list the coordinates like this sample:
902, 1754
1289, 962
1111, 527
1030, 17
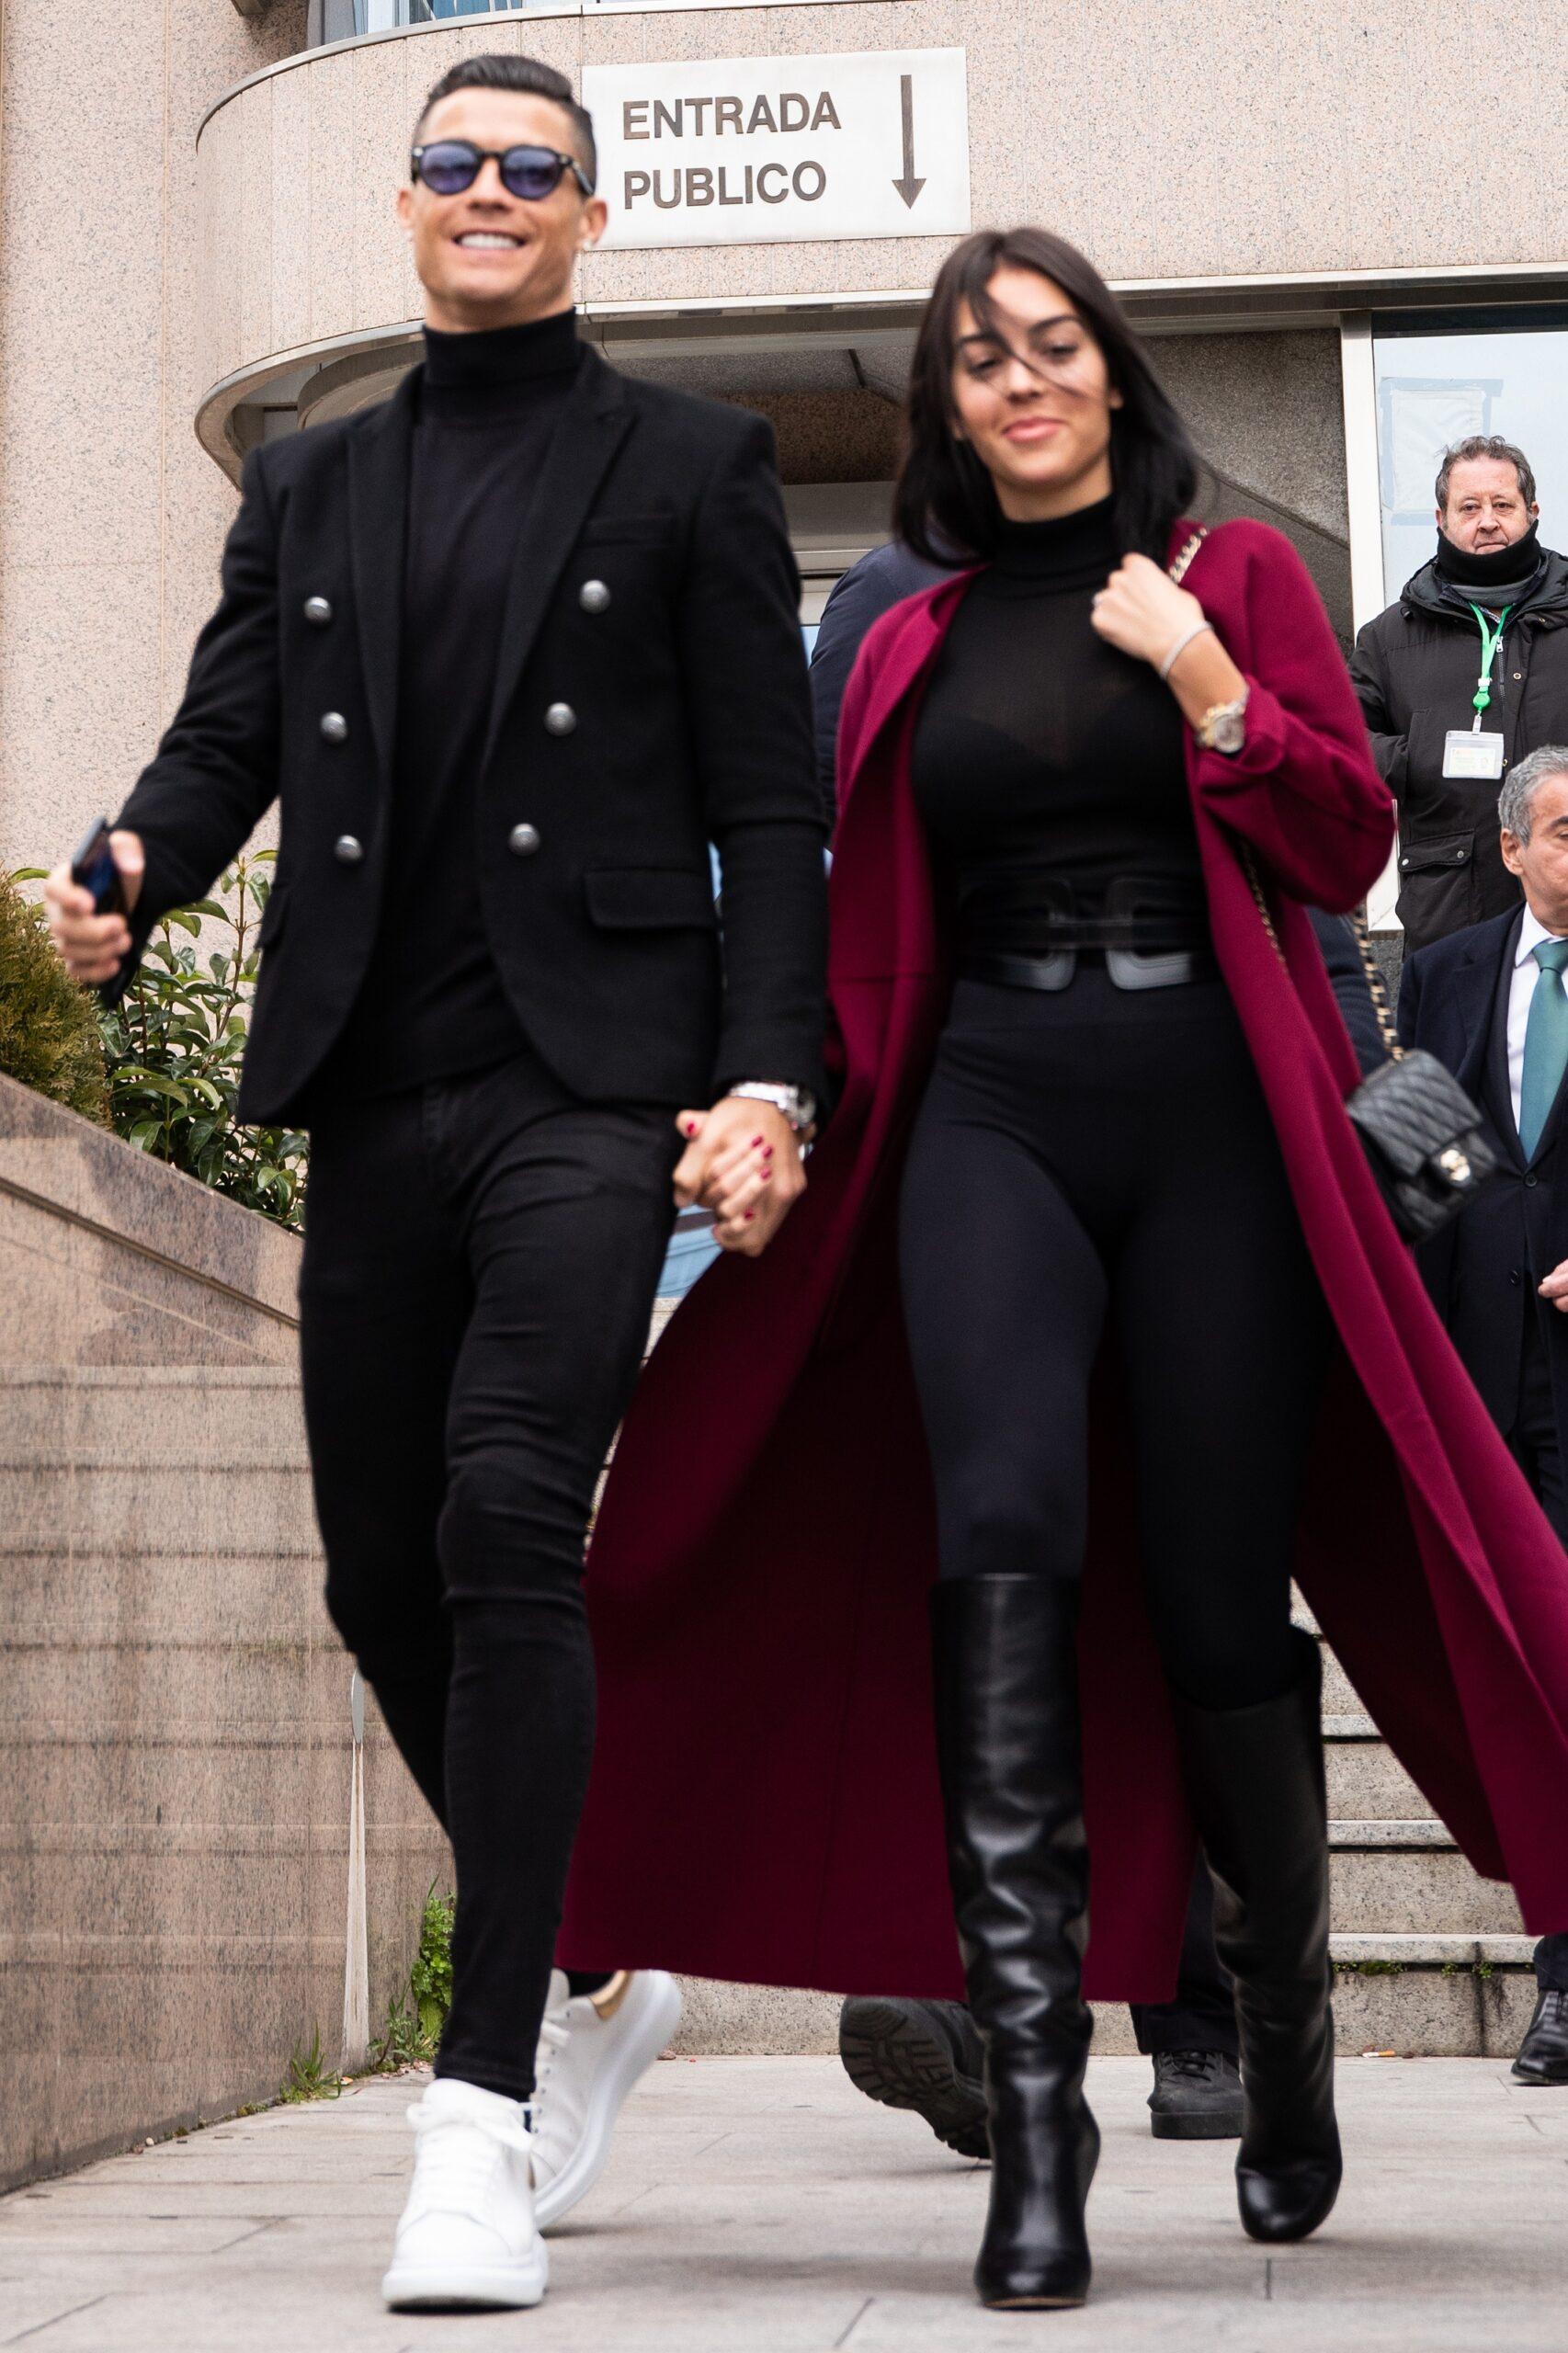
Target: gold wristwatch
1223, 727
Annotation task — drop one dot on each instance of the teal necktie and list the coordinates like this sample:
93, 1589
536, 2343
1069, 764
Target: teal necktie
1546, 1043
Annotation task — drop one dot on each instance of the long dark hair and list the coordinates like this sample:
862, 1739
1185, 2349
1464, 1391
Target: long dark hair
946, 503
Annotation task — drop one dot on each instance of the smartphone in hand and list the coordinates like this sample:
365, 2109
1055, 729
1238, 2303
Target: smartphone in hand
93, 868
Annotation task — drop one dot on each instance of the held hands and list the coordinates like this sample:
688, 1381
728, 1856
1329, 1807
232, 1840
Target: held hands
1555, 1288
92, 947
742, 1162
1143, 612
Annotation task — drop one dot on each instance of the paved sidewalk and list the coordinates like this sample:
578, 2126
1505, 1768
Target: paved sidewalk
759, 2205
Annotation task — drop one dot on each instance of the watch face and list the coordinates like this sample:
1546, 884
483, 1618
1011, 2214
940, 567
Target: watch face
1229, 733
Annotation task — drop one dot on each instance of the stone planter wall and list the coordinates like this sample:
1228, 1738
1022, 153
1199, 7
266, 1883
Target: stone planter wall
175, 1737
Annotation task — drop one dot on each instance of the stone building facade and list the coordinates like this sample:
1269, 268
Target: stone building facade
1341, 270
199, 249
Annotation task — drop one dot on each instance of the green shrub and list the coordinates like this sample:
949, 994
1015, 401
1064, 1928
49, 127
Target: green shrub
48, 1025
174, 1043
431, 1983
415, 2023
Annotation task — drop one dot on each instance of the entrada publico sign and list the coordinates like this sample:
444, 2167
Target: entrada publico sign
771, 150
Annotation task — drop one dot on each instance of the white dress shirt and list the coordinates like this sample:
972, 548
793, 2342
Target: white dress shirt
1527, 972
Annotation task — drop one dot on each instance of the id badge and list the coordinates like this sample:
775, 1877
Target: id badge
1474, 753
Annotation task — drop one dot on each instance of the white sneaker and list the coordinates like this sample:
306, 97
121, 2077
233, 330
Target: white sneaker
591, 2051
468, 2234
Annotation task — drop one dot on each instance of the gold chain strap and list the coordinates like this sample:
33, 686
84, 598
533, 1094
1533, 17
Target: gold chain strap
1376, 984
1183, 562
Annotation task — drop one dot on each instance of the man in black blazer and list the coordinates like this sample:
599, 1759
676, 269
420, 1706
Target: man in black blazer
1490, 1003
509, 651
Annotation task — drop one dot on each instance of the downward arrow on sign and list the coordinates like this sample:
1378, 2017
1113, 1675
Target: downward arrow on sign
909, 187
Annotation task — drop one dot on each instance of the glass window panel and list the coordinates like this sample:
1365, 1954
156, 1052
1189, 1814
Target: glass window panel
1432, 390
346, 20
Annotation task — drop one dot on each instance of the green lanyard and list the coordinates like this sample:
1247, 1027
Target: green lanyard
1490, 639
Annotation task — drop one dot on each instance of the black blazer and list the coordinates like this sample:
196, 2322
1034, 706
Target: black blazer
1483, 1270
679, 714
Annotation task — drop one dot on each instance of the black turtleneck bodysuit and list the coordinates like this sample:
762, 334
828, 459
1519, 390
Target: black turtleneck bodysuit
432, 1004
1041, 749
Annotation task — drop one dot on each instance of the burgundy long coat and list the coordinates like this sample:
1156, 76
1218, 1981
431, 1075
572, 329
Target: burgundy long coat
764, 1802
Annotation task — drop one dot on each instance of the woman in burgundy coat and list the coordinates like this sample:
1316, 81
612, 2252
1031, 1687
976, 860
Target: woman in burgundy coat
1094, 1157
1090, 1275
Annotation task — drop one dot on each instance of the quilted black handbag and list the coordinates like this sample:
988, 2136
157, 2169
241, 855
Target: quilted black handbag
1419, 1129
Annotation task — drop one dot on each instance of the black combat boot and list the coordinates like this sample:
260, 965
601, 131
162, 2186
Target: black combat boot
1254, 1777
1008, 1738
921, 2056
1197, 2096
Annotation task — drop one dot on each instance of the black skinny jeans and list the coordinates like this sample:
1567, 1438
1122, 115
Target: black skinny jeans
481, 1261
1094, 1157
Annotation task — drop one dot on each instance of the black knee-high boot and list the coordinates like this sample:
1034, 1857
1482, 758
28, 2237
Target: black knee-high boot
1255, 1776
1006, 1685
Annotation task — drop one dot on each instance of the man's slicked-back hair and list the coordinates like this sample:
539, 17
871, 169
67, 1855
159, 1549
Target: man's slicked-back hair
529, 79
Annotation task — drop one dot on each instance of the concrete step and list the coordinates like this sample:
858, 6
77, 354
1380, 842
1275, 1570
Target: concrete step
1340, 1696
1429, 1996
1406, 1878
1433, 1995
1433, 2014
1433, 1952
1366, 1781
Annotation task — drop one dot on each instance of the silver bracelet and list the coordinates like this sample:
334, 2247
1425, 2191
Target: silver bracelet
1180, 648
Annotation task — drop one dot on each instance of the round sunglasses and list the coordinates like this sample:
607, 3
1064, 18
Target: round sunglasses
447, 166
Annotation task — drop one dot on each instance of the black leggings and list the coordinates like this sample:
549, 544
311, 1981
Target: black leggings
1096, 1153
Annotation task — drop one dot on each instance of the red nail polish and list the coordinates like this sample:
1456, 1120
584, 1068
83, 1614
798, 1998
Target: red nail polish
751, 1219
756, 1140
691, 1127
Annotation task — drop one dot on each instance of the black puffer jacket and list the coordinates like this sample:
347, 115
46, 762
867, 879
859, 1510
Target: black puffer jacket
1414, 669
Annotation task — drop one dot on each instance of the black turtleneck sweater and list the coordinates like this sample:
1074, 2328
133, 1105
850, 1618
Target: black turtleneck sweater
432, 1005
1040, 750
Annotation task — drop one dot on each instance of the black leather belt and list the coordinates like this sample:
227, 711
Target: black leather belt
1153, 934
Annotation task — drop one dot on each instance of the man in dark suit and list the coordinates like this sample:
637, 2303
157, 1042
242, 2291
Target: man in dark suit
510, 652
1490, 1002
